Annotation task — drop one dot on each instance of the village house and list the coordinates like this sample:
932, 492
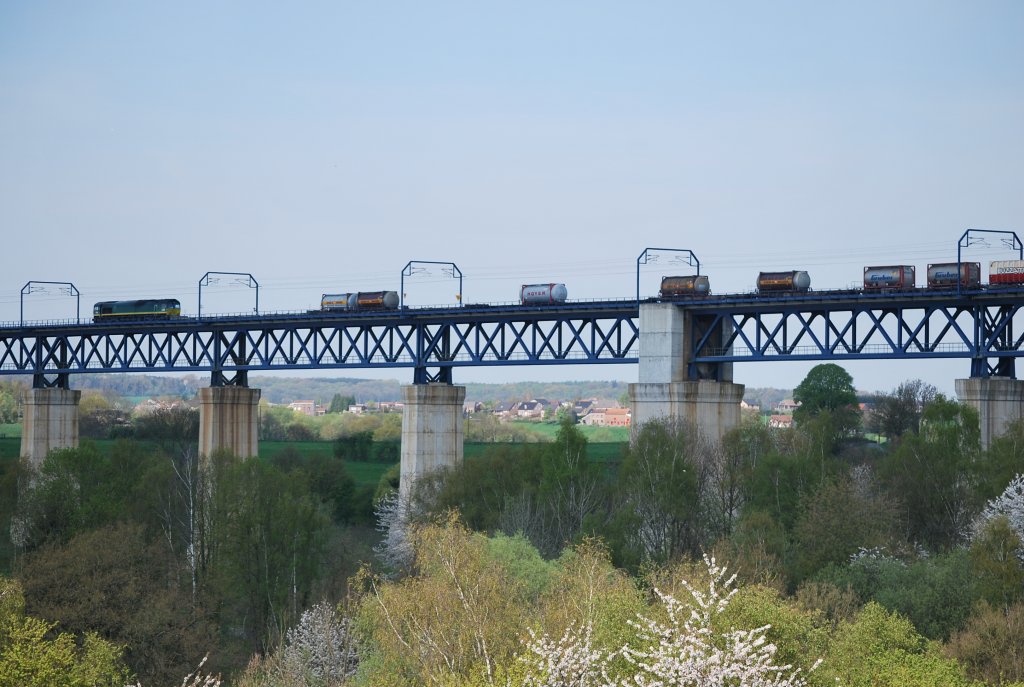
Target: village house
304, 407
787, 405
780, 421
607, 417
583, 406
532, 409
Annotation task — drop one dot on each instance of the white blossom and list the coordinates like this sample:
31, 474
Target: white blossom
569, 662
196, 679
319, 651
394, 517
685, 651
1009, 504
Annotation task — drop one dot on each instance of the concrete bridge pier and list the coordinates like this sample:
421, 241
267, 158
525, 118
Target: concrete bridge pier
998, 400
713, 407
669, 387
229, 420
431, 430
50, 421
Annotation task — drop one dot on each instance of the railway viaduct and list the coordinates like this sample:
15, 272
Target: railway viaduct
686, 354
686, 351
656, 335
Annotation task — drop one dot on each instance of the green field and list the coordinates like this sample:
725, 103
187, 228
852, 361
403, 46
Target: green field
595, 434
9, 448
8, 431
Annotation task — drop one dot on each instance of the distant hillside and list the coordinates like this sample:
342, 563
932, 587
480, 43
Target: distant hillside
287, 389
766, 397
148, 386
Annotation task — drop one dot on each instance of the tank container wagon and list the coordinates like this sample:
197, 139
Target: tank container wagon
946, 275
682, 286
797, 281
890, 278
542, 294
362, 300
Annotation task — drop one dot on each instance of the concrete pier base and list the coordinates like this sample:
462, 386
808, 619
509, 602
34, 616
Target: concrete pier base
50, 422
229, 420
998, 400
713, 407
431, 430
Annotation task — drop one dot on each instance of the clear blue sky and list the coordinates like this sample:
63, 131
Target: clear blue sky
321, 146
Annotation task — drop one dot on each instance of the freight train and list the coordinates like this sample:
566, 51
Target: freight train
878, 278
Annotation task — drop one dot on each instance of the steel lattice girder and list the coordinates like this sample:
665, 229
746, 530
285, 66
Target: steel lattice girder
832, 331
545, 337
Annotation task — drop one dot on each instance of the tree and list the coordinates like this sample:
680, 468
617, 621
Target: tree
32, 655
175, 430
827, 387
569, 488
98, 418
936, 593
459, 615
340, 404
882, 649
930, 474
991, 645
113, 582
840, 518
1008, 505
10, 402
664, 486
265, 544
77, 489
897, 413
681, 646
1002, 462
994, 559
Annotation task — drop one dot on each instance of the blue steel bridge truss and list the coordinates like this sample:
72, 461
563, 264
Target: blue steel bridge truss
432, 342
984, 327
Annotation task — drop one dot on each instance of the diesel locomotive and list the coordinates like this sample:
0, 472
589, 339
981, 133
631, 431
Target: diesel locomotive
143, 309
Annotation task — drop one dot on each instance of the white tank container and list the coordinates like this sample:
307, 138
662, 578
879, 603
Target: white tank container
539, 294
